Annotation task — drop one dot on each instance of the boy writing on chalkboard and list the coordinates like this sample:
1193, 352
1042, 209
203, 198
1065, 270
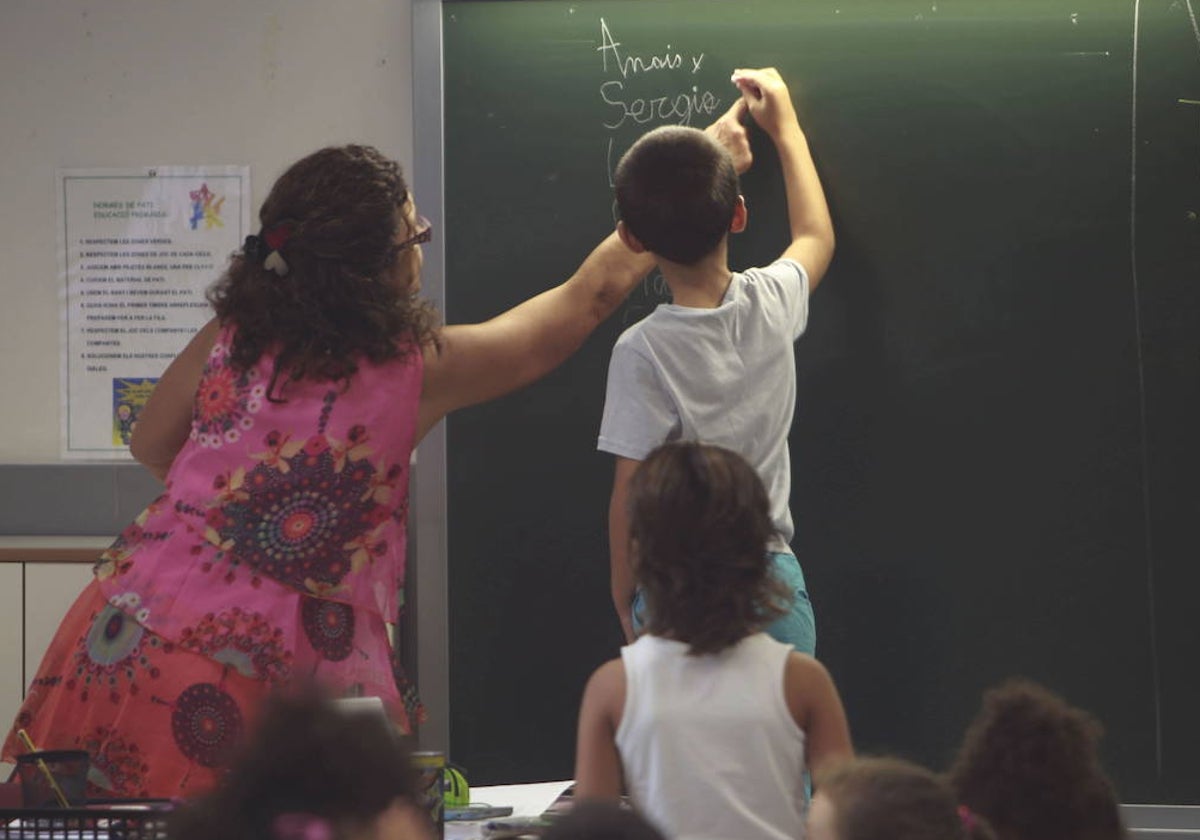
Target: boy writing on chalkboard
716, 364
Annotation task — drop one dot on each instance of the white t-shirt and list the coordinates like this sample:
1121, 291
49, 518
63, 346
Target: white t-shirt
723, 376
708, 745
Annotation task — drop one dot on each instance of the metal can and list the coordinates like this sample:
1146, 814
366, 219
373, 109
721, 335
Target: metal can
431, 782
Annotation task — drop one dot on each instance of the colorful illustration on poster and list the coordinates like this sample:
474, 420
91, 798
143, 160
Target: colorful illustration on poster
206, 207
129, 395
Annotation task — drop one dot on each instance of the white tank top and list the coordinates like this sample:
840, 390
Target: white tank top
707, 743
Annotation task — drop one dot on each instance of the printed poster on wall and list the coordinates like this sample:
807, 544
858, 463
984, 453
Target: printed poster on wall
138, 248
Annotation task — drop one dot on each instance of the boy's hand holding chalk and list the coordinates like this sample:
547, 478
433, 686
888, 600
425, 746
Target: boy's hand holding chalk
767, 99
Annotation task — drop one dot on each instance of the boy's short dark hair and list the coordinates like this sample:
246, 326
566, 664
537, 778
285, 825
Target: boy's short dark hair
699, 527
676, 192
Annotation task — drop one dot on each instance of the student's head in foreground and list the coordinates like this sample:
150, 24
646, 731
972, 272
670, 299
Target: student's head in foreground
312, 771
677, 191
889, 799
699, 527
1029, 761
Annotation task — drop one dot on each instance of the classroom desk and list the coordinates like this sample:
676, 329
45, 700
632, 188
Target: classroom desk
1145, 822
1162, 822
40, 576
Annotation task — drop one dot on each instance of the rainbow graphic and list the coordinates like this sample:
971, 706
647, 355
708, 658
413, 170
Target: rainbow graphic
206, 207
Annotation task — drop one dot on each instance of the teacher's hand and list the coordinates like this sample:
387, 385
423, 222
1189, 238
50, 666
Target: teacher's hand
729, 131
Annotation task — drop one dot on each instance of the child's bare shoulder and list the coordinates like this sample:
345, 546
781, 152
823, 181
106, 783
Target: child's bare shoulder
806, 683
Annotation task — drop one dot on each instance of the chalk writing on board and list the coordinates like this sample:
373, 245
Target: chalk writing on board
633, 64
642, 300
670, 106
643, 89
679, 108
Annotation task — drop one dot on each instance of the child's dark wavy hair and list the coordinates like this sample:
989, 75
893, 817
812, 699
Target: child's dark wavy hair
699, 527
305, 759
892, 799
1029, 762
336, 303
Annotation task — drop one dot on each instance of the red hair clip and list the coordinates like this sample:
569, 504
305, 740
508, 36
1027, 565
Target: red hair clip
276, 238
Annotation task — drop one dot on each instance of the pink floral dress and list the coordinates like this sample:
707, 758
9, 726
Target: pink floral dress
276, 552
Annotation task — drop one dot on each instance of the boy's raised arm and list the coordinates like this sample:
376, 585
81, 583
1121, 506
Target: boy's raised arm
768, 101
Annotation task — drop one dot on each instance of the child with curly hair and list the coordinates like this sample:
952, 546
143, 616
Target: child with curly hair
1029, 763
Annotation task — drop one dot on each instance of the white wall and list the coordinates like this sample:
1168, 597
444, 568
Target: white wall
160, 82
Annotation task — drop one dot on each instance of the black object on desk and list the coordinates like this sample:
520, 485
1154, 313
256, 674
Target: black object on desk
109, 820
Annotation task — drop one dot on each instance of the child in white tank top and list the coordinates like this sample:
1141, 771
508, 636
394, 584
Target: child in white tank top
706, 722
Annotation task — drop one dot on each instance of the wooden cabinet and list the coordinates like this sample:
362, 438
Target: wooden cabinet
39, 580
50, 589
11, 644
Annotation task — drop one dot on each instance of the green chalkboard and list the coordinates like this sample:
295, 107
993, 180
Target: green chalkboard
995, 449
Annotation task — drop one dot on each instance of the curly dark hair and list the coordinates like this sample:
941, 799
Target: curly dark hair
305, 756
1029, 762
337, 302
676, 191
699, 527
893, 799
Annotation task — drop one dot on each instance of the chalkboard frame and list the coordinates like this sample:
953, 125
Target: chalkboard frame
1172, 509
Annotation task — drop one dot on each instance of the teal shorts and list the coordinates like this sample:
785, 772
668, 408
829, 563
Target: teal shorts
797, 627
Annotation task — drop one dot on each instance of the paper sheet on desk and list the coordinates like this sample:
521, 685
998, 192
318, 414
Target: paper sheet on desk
526, 800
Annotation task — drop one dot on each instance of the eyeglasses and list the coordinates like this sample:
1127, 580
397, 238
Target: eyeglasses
424, 234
